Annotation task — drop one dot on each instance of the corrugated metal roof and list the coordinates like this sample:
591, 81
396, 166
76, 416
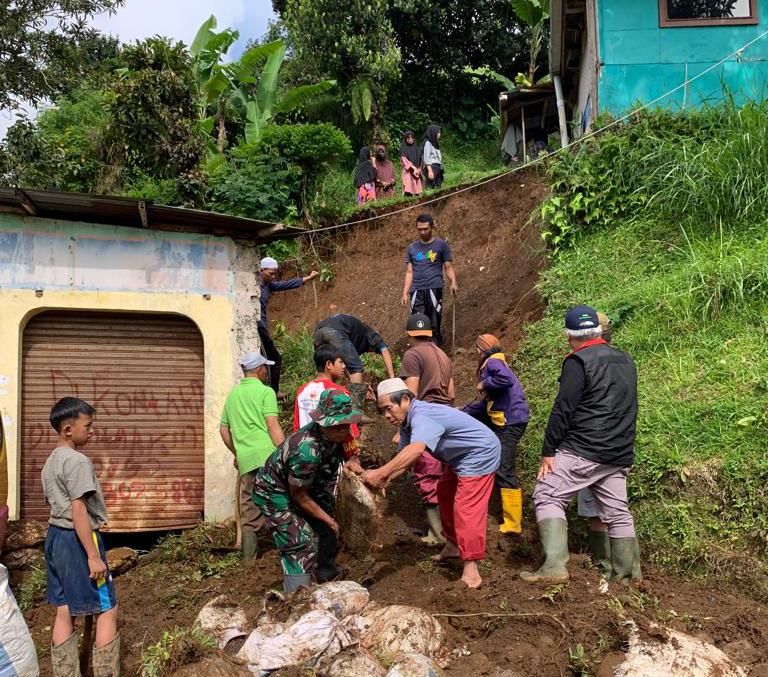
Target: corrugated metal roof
135, 213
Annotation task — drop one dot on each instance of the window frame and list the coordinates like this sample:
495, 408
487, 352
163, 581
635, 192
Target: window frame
665, 22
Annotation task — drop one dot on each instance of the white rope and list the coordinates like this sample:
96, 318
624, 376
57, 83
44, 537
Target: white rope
737, 53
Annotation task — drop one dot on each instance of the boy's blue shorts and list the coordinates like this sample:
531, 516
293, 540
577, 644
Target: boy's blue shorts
69, 582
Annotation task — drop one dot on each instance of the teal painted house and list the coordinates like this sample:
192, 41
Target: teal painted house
608, 55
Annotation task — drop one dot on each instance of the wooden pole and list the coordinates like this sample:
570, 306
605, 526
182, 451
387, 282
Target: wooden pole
522, 125
314, 292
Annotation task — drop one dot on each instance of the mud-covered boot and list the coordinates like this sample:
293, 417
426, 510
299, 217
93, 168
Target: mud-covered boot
327, 548
637, 574
249, 544
357, 395
554, 538
106, 659
435, 532
625, 560
292, 583
512, 511
600, 547
65, 658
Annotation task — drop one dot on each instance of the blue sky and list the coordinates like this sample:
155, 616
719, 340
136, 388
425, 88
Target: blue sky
179, 19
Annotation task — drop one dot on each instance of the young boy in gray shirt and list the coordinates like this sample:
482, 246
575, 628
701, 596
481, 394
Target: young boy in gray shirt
79, 582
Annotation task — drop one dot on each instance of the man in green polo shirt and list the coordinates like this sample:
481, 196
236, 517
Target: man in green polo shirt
251, 430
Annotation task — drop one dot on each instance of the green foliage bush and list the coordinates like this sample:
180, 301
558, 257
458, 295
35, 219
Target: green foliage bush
257, 185
311, 146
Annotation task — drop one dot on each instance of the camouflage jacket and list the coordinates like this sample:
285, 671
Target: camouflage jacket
306, 458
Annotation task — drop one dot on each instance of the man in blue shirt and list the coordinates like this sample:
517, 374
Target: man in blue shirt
470, 453
423, 286
269, 283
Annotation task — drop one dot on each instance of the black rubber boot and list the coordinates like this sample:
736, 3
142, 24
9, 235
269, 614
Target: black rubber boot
600, 547
327, 548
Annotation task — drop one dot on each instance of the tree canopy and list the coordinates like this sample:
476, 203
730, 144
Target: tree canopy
38, 39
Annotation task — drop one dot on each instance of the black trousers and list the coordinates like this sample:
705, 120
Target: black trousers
509, 436
270, 351
438, 173
430, 303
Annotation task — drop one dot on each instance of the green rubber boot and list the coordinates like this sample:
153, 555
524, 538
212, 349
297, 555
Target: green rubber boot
435, 533
292, 583
65, 658
106, 659
625, 560
249, 543
554, 537
600, 547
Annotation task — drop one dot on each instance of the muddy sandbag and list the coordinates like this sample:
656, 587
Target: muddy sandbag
23, 534
272, 646
223, 619
341, 598
354, 663
396, 629
674, 654
414, 665
17, 651
358, 512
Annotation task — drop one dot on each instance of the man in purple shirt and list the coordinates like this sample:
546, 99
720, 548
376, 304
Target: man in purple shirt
269, 283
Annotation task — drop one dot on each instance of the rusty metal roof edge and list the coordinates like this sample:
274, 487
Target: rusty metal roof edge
138, 213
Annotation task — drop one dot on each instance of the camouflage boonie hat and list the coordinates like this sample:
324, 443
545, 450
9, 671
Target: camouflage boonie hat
335, 408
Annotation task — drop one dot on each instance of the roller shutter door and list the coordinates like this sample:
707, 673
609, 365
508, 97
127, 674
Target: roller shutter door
144, 374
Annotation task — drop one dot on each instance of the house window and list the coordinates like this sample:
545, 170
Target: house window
707, 12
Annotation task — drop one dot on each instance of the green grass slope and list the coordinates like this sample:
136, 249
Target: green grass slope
673, 245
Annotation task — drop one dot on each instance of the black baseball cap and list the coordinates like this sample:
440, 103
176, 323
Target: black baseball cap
581, 317
418, 325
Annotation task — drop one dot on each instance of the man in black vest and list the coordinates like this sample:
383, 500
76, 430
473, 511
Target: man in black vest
589, 442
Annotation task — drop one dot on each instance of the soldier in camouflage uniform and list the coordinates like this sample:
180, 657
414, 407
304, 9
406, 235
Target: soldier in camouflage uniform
295, 489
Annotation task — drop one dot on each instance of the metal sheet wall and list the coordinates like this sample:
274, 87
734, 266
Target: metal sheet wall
144, 374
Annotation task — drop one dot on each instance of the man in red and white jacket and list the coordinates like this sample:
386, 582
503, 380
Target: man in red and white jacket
330, 368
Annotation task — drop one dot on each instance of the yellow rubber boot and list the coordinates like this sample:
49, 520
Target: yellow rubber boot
512, 511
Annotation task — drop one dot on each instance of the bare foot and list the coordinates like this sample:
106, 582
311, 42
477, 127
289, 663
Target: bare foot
471, 576
449, 551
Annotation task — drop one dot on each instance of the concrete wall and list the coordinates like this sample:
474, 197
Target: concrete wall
211, 280
641, 61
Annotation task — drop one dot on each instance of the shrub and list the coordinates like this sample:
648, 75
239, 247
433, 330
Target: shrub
177, 647
257, 185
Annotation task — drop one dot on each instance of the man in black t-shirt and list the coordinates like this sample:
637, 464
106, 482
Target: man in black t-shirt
423, 286
352, 337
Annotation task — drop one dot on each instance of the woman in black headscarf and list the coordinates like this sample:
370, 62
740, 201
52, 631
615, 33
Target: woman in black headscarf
432, 157
365, 177
410, 160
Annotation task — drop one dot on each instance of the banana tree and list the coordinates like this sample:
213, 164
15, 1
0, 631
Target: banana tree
535, 13
236, 83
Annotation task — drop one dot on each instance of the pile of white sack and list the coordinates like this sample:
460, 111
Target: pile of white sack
340, 635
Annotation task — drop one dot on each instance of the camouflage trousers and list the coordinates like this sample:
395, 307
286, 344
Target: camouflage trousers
295, 533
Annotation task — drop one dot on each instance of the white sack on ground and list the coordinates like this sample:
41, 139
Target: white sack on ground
223, 619
358, 513
341, 598
356, 663
273, 646
679, 655
414, 665
401, 629
17, 651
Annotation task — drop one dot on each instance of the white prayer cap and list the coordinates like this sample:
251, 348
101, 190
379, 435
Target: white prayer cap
391, 385
268, 263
